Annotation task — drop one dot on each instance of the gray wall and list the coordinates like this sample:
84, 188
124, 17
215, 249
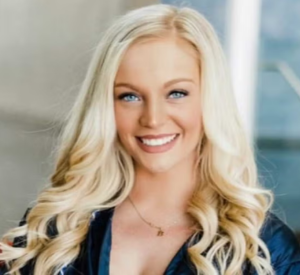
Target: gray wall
45, 48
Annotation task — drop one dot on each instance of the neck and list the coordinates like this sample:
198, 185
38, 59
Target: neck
166, 192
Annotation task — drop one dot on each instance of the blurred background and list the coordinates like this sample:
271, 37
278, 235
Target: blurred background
45, 48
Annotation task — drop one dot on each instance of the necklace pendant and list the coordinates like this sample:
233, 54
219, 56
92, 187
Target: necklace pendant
160, 232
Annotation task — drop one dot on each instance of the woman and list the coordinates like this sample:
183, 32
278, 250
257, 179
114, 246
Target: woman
154, 175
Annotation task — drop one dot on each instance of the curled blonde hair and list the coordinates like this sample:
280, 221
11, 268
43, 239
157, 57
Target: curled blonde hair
94, 172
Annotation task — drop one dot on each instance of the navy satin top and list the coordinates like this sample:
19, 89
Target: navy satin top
94, 256
282, 244
178, 265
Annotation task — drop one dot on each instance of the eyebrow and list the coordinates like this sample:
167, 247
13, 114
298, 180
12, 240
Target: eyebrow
168, 83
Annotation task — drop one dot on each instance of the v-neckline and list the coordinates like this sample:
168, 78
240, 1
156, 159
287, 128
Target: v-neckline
105, 253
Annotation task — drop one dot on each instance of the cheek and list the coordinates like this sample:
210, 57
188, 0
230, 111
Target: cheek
124, 133
126, 124
191, 120
122, 121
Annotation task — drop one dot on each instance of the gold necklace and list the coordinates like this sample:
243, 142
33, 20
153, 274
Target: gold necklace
160, 231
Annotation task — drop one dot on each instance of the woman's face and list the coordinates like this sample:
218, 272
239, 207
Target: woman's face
157, 103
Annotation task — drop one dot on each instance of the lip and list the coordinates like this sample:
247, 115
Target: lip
157, 149
157, 136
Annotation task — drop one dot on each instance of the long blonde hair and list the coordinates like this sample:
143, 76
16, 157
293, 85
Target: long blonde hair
94, 172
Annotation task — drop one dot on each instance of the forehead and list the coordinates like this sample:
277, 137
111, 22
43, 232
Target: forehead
158, 59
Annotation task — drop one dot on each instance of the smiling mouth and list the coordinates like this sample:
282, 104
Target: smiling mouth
153, 142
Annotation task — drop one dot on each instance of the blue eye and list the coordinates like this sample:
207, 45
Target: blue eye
131, 97
178, 94
128, 97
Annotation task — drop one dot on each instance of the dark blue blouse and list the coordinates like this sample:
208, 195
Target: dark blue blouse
282, 244
178, 265
94, 256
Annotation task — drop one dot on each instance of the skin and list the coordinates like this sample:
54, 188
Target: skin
151, 68
157, 91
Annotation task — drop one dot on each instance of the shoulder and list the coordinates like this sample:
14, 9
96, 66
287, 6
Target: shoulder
19, 242
283, 245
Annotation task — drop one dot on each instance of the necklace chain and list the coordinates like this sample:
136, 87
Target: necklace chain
160, 231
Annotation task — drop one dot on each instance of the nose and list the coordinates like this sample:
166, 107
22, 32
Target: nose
154, 114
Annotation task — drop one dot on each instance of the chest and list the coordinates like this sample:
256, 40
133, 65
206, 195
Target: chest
139, 251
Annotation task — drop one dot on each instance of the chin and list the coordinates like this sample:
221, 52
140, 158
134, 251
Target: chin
157, 168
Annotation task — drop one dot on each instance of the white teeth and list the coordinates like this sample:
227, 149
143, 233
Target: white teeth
158, 141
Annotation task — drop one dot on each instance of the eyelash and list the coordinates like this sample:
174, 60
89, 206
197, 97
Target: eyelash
124, 95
